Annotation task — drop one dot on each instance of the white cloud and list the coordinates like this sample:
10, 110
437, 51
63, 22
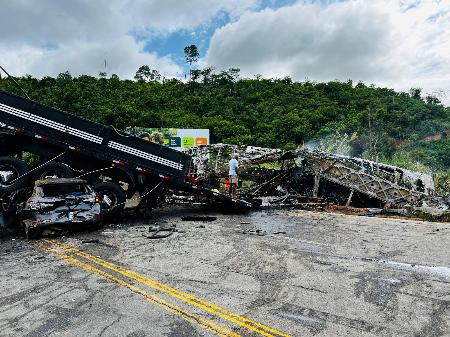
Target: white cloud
399, 44
53, 36
123, 57
53, 21
165, 16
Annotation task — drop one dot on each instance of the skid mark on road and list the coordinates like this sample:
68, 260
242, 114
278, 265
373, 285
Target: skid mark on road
72, 255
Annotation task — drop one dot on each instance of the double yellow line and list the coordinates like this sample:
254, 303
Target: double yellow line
72, 255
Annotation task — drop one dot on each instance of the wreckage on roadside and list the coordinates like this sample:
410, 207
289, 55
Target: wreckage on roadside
118, 166
339, 179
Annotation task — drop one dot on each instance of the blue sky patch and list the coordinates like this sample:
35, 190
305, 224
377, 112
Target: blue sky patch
173, 44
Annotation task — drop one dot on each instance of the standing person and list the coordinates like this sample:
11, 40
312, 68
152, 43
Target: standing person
233, 173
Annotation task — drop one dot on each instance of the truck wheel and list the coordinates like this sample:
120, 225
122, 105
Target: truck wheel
11, 174
53, 169
113, 198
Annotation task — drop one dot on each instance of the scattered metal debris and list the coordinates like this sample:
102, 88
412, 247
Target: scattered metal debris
199, 218
90, 241
253, 231
160, 231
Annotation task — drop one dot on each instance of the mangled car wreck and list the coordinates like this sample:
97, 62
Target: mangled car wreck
58, 202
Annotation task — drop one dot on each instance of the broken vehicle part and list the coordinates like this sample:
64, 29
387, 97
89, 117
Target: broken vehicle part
386, 183
90, 241
199, 218
160, 232
58, 202
112, 198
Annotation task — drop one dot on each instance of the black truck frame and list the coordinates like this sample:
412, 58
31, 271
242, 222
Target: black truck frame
94, 151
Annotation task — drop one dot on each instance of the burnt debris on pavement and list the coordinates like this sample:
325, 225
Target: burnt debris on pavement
120, 169
318, 180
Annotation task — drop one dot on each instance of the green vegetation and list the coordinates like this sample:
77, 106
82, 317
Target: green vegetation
384, 124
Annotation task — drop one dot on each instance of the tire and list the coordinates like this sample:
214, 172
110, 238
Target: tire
52, 168
115, 194
18, 167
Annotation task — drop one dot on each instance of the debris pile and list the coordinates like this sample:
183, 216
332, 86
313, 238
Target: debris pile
301, 179
315, 179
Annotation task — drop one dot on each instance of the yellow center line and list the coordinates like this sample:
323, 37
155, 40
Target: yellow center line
217, 329
214, 309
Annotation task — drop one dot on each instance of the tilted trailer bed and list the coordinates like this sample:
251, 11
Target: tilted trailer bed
60, 138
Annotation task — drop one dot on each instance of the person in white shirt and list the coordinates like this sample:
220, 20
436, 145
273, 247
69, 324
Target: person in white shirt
233, 174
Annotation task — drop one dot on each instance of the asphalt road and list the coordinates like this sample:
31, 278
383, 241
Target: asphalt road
268, 273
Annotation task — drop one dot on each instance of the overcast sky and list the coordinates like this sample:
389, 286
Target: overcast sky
395, 43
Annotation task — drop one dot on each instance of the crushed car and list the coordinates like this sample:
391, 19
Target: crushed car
58, 203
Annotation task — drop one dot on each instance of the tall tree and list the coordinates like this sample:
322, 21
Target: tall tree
191, 54
145, 74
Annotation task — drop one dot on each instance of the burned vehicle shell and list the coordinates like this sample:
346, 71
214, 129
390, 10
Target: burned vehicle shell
57, 202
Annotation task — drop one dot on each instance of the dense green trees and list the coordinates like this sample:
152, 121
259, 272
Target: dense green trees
262, 112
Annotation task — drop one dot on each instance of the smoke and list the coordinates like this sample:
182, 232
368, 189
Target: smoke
336, 143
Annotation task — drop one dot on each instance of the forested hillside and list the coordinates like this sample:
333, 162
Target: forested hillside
376, 123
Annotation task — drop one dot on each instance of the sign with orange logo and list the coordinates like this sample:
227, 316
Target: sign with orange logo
177, 139
201, 141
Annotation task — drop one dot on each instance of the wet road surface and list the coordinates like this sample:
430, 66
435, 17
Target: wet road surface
267, 273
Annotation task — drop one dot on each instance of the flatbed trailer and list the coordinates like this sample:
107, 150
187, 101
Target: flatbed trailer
92, 150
